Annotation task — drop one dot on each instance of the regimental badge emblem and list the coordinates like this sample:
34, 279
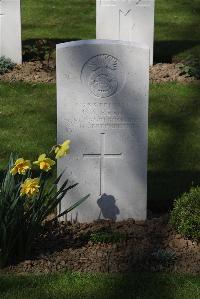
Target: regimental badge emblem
103, 75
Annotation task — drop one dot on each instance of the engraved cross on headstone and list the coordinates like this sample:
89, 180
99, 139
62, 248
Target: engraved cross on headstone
125, 10
102, 155
126, 24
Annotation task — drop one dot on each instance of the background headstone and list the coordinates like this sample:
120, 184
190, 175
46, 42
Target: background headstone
10, 30
102, 102
128, 20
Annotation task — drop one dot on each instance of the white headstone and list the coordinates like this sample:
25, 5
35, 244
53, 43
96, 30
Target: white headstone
10, 30
128, 20
102, 107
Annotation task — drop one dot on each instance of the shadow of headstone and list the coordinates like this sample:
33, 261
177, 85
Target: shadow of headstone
108, 207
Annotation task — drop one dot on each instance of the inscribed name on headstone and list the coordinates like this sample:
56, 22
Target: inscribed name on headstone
128, 20
102, 107
10, 30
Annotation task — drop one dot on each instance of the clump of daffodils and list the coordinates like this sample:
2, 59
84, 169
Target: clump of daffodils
31, 186
26, 201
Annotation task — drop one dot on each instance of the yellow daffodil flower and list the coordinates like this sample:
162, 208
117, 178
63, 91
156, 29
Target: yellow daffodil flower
44, 163
30, 187
62, 149
20, 166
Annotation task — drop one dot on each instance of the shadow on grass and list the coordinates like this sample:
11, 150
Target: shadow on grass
166, 51
38, 49
164, 187
76, 285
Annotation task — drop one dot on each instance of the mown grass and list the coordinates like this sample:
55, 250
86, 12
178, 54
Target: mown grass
75, 285
28, 127
176, 30
174, 142
27, 119
177, 24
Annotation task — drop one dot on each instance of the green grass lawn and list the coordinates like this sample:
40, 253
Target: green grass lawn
28, 127
28, 119
177, 24
75, 285
174, 142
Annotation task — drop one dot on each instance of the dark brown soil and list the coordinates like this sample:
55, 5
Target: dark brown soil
37, 71
143, 248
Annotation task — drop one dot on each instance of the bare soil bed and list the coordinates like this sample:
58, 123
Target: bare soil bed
33, 71
168, 72
139, 246
43, 72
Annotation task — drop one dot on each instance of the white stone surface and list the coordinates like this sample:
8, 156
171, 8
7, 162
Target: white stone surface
128, 20
102, 107
10, 30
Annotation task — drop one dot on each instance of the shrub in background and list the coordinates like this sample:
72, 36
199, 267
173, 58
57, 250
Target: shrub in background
26, 201
185, 216
5, 65
42, 50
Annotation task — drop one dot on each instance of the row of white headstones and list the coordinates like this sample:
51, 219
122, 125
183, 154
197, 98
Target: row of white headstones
102, 107
128, 20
